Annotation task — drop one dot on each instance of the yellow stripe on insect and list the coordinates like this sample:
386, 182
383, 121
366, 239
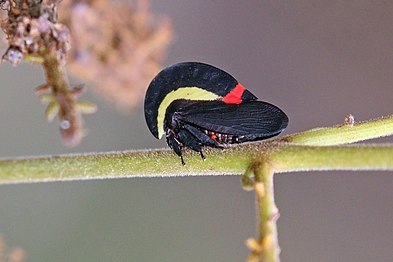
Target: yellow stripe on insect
189, 93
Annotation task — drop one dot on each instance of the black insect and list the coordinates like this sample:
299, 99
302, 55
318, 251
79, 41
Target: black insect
195, 105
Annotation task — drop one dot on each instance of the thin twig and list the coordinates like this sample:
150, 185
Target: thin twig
164, 163
34, 35
343, 134
266, 248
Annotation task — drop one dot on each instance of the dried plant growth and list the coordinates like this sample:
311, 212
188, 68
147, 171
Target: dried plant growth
116, 47
34, 35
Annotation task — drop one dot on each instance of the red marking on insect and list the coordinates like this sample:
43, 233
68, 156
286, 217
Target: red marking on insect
235, 96
213, 136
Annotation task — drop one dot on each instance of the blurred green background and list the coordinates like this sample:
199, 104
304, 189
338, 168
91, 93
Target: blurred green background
317, 60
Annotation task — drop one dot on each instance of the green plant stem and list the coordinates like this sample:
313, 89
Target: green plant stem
290, 158
266, 248
233, 160
355, 157
343, 134
151, 163
164, 163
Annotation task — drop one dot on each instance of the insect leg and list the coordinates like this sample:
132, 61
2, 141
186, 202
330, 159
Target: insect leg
190, 141
201, 136
175, 145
